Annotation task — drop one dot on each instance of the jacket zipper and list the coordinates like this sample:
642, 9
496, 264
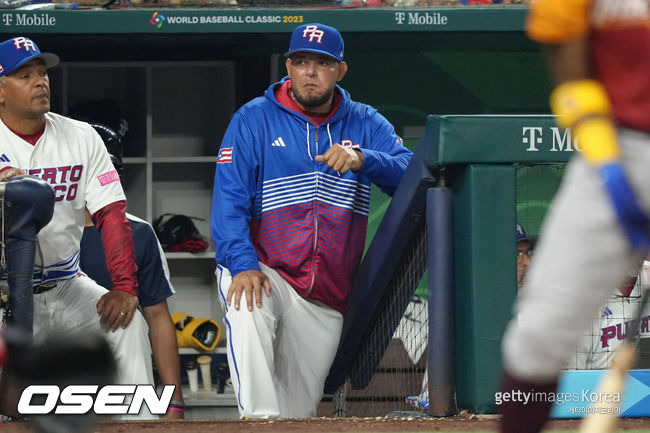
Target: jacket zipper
313, 273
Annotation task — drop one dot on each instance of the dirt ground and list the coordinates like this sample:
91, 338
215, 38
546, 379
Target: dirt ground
325, 425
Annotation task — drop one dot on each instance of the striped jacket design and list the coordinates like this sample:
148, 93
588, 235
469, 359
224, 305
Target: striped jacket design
273, 203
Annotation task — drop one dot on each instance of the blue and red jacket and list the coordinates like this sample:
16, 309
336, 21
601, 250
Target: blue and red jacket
274, 204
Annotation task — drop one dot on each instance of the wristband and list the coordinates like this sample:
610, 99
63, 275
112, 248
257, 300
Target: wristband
175, 409
176, 403
584, 106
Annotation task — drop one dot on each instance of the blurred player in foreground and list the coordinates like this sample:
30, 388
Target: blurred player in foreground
289, 219
70, 156
154, 286
597, 228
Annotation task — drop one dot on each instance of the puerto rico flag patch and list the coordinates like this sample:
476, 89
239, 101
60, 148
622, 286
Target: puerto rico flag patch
109, 177
225, 155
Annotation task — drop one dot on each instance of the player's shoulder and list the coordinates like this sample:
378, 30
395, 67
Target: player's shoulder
362, 108
364, 115
68, 125
253, 114
256, 106
354, 108
138, 224
559, 21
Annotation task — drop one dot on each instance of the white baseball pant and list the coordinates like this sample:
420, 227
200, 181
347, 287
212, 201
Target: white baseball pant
583, 255
280, 354
71, 308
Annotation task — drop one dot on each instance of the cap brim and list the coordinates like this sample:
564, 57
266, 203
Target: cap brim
49, 59
311, 50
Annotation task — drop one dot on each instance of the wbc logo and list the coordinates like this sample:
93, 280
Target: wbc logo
313, 33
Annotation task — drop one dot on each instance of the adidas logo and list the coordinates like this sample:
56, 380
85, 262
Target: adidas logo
4, 158
279, 142
607, 312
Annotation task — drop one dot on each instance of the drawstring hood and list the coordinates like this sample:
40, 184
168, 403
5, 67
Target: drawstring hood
280, 94
308, 146
329, 134
341, 102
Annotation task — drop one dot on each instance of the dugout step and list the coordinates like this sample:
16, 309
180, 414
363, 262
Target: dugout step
210, 404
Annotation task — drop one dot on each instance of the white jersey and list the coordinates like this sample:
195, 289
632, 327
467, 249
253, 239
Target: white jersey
598, 346
72, 158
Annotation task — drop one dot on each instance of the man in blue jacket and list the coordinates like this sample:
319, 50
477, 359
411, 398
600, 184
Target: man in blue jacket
289, 218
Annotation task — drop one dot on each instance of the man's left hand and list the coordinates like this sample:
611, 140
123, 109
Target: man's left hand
116, 309
341, 159
9, 172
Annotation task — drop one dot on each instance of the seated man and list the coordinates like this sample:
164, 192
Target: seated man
524, 251
70, 156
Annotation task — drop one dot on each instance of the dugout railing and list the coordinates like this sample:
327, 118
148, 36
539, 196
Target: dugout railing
462, 188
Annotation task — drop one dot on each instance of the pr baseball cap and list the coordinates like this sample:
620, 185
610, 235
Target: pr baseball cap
521, 233
17, 51
316, 38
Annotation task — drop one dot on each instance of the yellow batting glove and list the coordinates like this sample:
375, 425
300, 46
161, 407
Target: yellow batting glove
584, 106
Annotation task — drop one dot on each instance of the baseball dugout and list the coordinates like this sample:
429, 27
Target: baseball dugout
467, 187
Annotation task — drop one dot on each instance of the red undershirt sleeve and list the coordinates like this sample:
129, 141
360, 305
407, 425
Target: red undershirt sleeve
118, 246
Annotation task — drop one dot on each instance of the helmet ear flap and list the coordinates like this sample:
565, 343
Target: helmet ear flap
198, 333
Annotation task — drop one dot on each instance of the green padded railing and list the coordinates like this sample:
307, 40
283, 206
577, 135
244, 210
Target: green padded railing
481, 155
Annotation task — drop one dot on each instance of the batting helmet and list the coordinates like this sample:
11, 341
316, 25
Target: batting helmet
113, 144
199, 333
